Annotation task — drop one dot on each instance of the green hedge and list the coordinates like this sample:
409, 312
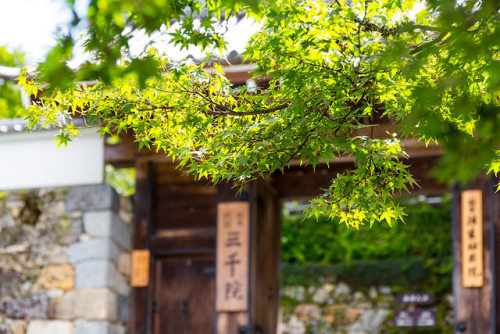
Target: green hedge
406, 275
426, 233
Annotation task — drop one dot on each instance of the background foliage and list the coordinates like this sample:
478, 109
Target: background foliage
10, 98
426, 233
415, 256
412, 255
122, 179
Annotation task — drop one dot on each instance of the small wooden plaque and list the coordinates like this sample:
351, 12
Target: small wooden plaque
233, 235
140, 268
472, 239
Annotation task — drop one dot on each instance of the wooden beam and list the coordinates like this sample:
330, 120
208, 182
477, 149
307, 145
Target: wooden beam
304, 183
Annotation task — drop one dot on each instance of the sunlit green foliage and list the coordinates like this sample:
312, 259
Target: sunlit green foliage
122, 179
334, 68
10, 98
113, 23
426, 234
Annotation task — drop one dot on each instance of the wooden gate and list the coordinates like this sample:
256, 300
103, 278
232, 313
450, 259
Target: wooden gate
176, 221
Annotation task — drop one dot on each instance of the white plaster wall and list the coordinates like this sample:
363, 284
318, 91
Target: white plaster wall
32, 160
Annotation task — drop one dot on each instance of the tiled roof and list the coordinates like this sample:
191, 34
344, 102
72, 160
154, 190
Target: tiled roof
18, 125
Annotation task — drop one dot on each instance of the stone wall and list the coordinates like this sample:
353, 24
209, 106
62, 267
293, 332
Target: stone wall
336, 307
64, 261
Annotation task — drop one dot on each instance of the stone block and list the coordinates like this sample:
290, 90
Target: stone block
295, 326
307, 312
94, 327
124, 263
341, 314
385, 290
18, 327
107, 224
57, 276
372, 292
99, 327
71, 230
373, 319
100, 274
27, 307
123, 309
321, 296
93, 197
4, 328
117, 329
54, 293
90, 304
93, 249
342, 290
50, 327
294, 292
57, 255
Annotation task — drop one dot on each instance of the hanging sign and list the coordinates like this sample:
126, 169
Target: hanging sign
403, 318
425, 318
415, 318
139, 273
472, 239
417, 298
233, 235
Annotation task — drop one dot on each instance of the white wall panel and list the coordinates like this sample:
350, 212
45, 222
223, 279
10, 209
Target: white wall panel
32, 160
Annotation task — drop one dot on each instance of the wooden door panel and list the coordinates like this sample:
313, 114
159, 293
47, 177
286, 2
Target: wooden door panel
184, 295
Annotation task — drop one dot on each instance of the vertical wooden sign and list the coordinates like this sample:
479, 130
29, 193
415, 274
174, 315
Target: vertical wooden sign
139, 273
472, 239
233, 237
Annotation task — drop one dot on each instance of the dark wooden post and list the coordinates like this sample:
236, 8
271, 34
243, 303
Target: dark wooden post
475, 217
139, 295
266, 255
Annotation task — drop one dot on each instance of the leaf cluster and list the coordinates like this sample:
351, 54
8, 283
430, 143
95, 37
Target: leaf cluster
10, 98
332, 69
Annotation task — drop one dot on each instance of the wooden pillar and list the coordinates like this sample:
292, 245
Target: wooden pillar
142, 211
266, 257
260, 313
475, 219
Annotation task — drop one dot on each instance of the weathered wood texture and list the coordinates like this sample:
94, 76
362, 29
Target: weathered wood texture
180, 201
183, 246
496, 263
474, 307
184, 295
138, 296
175, 220
233, 256
299, 182
266, 255
303, 183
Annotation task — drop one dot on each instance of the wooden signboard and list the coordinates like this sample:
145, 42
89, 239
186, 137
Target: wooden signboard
472, 239
416, 298
233, 234
140, 268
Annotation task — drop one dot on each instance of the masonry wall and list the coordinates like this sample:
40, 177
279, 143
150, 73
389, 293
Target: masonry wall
333, 306
64, 261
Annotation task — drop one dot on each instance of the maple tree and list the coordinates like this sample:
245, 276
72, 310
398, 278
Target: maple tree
334, 67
